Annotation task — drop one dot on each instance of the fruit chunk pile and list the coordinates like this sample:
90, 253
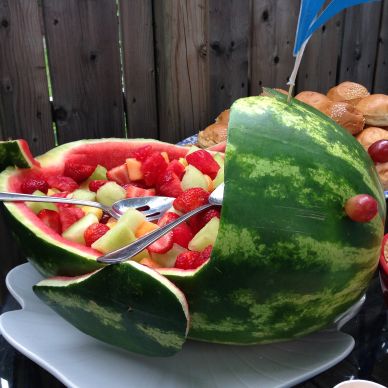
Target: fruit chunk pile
190, 180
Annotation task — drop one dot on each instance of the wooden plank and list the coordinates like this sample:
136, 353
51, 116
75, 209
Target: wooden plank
380, 84
273, 30
318, 70
139, 67
359, 48
229, 27
24, 104
180, 32
83, 49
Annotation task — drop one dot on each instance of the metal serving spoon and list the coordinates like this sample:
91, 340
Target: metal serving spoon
133, 249
152, 207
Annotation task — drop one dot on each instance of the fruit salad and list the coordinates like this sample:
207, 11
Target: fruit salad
190, 180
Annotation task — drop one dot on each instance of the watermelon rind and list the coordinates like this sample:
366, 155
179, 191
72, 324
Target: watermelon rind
15, 153
136, 308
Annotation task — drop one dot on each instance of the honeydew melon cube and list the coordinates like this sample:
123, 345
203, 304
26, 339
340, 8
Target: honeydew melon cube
219, 178
36, 207
219, 159
192, 149
194, 178
132, 218
168, 259
84, 195
98, 173
117, 237
206, 236
76, 231
110, 193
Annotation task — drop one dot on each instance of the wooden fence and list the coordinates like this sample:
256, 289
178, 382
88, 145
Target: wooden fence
164, 68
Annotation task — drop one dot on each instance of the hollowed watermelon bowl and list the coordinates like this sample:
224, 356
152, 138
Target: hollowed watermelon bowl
287, 259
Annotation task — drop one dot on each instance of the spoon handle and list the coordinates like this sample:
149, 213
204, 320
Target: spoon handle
17, 197
133, 249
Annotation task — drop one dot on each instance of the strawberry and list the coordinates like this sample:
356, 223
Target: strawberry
51, 219
63, 183
163, 245
69, 215
187, 260
198, 221
205, 254
181, 234
78, 171
204, 162
177, 168
169, 184
94, 232
142, 153
95, 185
119, 174
133, 191
191, 199
153, 167
32, 184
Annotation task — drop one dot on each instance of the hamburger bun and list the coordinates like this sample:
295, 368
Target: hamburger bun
375, 109
317, 100
350, 92
382, 170
370, 135
223, 117
345, 115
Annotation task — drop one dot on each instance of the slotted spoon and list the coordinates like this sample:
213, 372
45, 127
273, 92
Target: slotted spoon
152, 207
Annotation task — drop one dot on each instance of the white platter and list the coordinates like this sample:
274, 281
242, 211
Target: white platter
78, 360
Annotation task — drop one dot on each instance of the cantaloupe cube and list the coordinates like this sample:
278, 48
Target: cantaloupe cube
165, 156
134, 169
149, 263
144, 228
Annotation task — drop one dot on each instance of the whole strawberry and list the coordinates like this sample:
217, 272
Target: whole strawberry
191, 199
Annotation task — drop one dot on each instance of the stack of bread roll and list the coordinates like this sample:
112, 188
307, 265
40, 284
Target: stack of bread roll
350, 104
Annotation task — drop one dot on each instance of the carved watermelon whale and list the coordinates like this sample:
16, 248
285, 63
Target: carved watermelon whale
287, 260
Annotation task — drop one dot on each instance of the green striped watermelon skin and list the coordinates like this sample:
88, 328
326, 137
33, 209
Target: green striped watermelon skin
287, 260
129, 306
15, 153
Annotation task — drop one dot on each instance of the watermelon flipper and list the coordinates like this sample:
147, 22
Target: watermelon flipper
126, 305
16, 153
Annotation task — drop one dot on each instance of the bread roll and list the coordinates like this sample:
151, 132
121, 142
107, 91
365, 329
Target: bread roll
316, 100
350, 92
370, 135
223, 117
345, 115
382, 170
375, 109
213, 134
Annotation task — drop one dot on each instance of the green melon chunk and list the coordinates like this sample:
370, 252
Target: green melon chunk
194, 178
36, 207
192, 149
206, 236
98, 174
137, 309
110, 193
219, 159
219, 177
115, 238
82, 194
132, 218
76, 231
167, 260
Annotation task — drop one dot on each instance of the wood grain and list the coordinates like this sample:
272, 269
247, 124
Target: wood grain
318, 70
273, 31
360, 40
139, 67
181, 46
83, 50
228, 35
380, 83
24, 104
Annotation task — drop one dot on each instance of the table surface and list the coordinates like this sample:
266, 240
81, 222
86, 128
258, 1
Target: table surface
368, 360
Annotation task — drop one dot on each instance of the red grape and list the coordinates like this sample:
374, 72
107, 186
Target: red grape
361, 208
378, 151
